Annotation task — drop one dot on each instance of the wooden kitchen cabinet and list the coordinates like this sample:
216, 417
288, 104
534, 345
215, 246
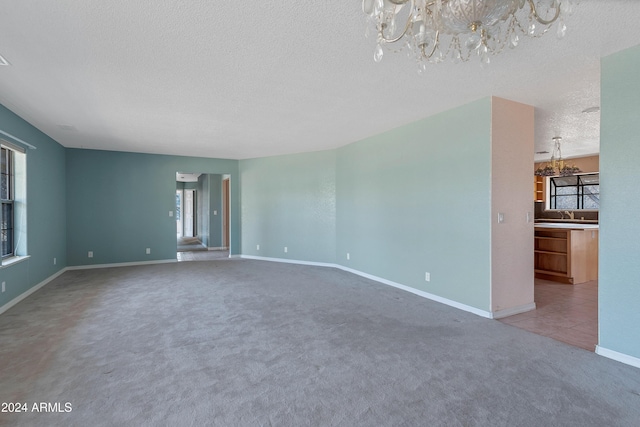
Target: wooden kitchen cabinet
566, 255
538, 188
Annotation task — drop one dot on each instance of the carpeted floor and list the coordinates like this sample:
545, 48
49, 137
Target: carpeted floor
243, 342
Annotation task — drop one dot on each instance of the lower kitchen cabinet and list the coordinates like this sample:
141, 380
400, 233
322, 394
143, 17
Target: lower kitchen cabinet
566, 255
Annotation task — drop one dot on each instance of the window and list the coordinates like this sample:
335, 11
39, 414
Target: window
7, 195
576, 192
13, 199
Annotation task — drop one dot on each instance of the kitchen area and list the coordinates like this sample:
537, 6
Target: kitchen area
565, 255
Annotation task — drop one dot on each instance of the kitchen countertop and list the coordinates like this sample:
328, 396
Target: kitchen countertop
566, 225
573, 221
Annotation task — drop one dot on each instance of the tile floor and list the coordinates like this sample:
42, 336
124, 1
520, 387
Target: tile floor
203, 255
567, 313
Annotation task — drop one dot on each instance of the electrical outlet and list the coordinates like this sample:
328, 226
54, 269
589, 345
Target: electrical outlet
170, 213
3, 285
90, 254
55, 261
148, 251
257, 247
427, 276
500, 217
285, 250
348, 256
215, 212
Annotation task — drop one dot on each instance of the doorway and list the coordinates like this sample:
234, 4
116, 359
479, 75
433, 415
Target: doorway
566, 263
202, 216
189, 212
185, 213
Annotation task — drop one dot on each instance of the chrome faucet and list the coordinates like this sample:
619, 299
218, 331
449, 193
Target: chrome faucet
571, 214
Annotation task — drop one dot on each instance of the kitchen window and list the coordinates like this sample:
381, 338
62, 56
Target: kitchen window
575, 192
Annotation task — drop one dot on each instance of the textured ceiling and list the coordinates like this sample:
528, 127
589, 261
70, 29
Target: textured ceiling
238, 80
187, 177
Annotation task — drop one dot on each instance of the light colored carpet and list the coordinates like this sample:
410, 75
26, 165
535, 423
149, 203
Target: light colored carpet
245, 342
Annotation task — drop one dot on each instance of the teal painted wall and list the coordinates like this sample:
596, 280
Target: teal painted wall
290, 201
190, 185
118, 204
402, 203
46, 209
619, 273
417, 199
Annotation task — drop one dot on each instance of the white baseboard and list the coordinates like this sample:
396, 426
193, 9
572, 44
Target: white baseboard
418, 292
30, 291
620, 357
499, 314
120, 264
217, 248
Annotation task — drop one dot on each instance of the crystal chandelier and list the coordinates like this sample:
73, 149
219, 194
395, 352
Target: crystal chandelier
557, 165
434, 30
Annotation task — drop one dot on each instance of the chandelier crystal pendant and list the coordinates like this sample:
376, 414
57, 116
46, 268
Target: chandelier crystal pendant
557, 166
435, 30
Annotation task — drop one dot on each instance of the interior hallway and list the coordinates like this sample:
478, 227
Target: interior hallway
567, 313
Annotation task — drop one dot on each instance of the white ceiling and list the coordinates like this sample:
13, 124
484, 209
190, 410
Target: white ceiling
187, 177
233, 79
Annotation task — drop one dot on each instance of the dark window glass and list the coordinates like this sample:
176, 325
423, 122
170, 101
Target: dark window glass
4, 171
7, 229
6, 198
575, 192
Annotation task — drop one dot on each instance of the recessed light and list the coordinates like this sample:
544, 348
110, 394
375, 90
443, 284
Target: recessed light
3, 61
591, 110
69, 128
